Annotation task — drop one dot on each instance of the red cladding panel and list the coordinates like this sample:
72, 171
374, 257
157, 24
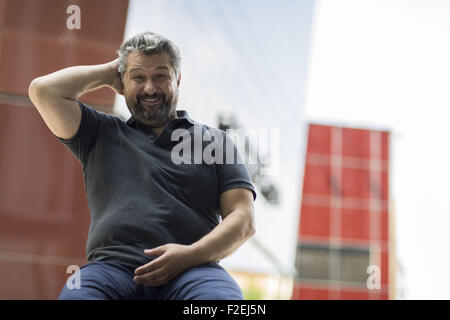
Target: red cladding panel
43, 208
384, 269
34, 40
384, 185
44, 217
315, 221
319, 139
355, 295
355, 224
384, 226
317, 180
304, 292
31, 276
385, 145
384, 296
356, 143
355, 183
30, 158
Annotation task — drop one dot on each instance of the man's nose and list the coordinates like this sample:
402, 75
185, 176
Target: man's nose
150, 88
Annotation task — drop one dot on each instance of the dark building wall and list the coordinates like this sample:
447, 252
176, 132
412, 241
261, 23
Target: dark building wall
44, 216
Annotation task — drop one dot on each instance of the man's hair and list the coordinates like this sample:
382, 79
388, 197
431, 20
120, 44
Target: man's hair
149, 43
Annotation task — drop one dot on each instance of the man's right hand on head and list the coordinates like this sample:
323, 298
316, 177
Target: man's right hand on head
116, 83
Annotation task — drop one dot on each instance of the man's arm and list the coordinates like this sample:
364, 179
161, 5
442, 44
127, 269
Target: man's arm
55, 94
237, 227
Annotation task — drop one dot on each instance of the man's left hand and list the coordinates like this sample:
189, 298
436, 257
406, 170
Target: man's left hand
173, 259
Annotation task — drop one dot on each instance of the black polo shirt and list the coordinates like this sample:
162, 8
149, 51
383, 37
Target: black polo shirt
138, 197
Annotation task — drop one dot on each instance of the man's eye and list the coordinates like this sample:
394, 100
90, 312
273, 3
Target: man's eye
138, 78
160, 76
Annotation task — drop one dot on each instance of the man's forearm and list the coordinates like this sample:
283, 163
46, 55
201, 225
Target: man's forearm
72, 82
55, 94
225, 238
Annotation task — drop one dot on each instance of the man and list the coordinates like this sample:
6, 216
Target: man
158, 226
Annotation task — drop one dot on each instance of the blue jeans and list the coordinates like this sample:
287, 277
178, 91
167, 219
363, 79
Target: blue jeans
106, 280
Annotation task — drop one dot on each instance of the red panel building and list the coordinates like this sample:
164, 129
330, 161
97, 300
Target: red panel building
44, 217
344, 246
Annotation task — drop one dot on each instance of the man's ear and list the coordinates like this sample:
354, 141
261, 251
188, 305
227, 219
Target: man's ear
179, 80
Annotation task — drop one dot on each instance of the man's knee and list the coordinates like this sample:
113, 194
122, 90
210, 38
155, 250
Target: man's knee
96, 281
82, 294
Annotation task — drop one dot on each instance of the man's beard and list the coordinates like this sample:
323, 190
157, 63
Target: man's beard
155, 116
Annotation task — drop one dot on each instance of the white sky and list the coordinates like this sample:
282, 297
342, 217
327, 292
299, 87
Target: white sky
386, 64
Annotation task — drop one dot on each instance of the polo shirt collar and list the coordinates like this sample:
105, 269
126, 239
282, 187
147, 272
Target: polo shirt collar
181, 114
164, 138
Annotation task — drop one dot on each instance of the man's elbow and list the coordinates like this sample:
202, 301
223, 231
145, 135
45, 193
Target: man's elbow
36, 89
41, 90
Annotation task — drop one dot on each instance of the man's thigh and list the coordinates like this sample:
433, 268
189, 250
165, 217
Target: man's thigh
205, 282
101, 281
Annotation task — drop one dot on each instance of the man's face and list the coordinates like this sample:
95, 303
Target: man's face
151, 88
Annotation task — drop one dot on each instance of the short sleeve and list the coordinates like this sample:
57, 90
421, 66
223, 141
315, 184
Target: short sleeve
80, 144
232, 173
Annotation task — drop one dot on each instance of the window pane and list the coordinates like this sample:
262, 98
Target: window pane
354, 265
317, 262
313, 262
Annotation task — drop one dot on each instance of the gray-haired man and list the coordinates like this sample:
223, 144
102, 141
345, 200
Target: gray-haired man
157, 228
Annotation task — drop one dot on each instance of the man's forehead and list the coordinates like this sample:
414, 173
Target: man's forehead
143, 67
137, 60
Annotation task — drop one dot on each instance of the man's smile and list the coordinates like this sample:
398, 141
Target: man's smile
151, 100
